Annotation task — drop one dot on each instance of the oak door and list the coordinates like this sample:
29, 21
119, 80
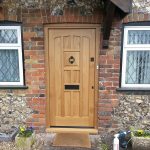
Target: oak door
71, 61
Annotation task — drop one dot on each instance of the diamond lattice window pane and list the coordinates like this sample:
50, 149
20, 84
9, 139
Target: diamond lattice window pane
9, 66
8, 36
138, 67
139, 37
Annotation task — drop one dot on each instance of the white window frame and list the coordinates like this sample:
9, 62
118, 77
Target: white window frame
134, 47
14, 46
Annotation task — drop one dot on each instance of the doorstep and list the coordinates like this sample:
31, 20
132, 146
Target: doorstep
72, 130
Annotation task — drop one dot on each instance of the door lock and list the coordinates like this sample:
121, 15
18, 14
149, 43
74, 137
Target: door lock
92, 59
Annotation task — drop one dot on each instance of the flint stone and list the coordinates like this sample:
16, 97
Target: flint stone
13, 112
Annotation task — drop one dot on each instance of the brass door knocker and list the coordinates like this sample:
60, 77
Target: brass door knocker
71, 59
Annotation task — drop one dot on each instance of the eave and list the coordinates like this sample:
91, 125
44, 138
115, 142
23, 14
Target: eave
124, 7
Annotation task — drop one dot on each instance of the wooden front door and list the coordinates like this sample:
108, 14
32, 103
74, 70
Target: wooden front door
71, 77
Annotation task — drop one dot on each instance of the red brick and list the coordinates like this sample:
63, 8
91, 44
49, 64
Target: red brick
107, 83
28, 35
116, 84
105, 105
105, 92
110, 61
111, 88
106, 74
37, 123
116, 66
104, 117
104, 96
114, 103
112, 79
106, 66
38, 66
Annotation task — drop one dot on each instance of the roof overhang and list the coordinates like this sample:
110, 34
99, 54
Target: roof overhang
124, 5
123, 8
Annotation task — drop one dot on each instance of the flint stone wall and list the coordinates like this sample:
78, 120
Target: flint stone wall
13, 111
133, 110
56, 7
115, 110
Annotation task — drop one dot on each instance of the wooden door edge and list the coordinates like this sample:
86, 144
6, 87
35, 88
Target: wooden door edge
47, 76
97, 46
72, 130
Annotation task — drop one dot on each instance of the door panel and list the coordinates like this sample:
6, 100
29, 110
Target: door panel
72, 77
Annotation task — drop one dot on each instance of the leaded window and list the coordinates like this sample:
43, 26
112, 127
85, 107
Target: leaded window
136, 57
11, 60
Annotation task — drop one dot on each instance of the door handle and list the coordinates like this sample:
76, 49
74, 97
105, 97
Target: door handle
71, 59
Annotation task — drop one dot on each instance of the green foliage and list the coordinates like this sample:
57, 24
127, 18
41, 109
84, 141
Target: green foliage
141, 133
104, 146
25, 131
135, 131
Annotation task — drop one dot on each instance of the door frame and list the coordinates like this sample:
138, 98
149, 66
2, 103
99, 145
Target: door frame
47, 72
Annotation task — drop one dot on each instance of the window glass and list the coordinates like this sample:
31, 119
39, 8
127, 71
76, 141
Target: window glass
8, 36
139, 37
9, 66
138, 67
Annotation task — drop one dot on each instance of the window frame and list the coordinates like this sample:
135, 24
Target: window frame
134, 47
17, 46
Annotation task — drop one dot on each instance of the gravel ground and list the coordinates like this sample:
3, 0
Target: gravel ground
44, 142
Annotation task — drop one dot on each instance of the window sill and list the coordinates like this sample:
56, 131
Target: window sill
13, 87
132, 89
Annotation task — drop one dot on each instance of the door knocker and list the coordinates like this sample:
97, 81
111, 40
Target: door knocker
71, 59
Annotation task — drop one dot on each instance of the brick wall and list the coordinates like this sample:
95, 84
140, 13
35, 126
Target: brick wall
109, 71
109, 62
109, 66
33, 40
